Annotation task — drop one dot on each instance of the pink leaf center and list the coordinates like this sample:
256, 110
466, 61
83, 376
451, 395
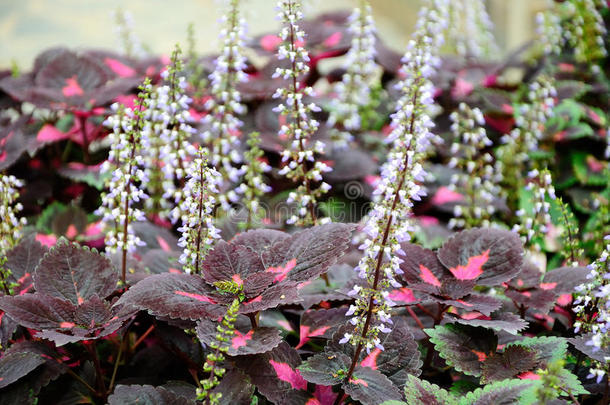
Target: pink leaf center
306, 334
402, 294
198, 297
333, 39
444, 195
428, 276
241, 339
286, 373
472, 269
282, 271
270, 42
72, 88
371, 359
119, 68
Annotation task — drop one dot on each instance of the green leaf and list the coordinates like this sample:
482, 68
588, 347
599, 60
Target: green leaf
370, 387
547, 348
506, 392
325, 368
588, 170
65, 123
463, 347
571, 383
419, 391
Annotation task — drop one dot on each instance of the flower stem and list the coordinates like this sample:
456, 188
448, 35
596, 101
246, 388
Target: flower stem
83, 130
296, 108
386, 233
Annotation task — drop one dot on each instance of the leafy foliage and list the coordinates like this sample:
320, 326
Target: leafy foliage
476, 316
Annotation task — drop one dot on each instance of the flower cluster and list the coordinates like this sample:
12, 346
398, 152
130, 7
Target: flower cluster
10, 227
479, 178
129, 43
525, 138
165, 139
471, 29
536, 219
300, 164
584, 29
593, 309
125, 163
224, 107
225, 330
389, 221
253, 186
196, 212
548, 28
354, 89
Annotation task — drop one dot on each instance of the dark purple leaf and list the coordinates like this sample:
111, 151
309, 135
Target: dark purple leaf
351, 164
7, 327
74, 273
23, 258
233, 262
154, 236
422, 268
505, 321
244, 342
489, 256
422, 392
16, 365
370, 387
146, 395
235, 388
538, 299
508, 364
507, 392
484, 304
463, 347
278, 294
320, 323
13, 142
547, 348
22, 261
159, 261
178, 296
326, 368
399, 358
49, 371
564, 279
528, 278
316, 291
275, 373
314, 249
580, 343
38, 311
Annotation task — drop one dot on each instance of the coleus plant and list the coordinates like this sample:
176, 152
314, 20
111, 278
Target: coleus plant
263, 316
71, 293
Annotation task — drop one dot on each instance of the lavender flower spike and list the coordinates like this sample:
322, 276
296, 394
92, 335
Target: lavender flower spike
222, 123
165, 141
125, 162
10, 225
592, 307
300, 164
354, 89
196, 212
389, 221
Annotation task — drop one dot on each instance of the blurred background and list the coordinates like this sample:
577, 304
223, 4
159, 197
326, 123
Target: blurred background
29, 26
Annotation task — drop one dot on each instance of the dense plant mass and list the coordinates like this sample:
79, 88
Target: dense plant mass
431, 228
